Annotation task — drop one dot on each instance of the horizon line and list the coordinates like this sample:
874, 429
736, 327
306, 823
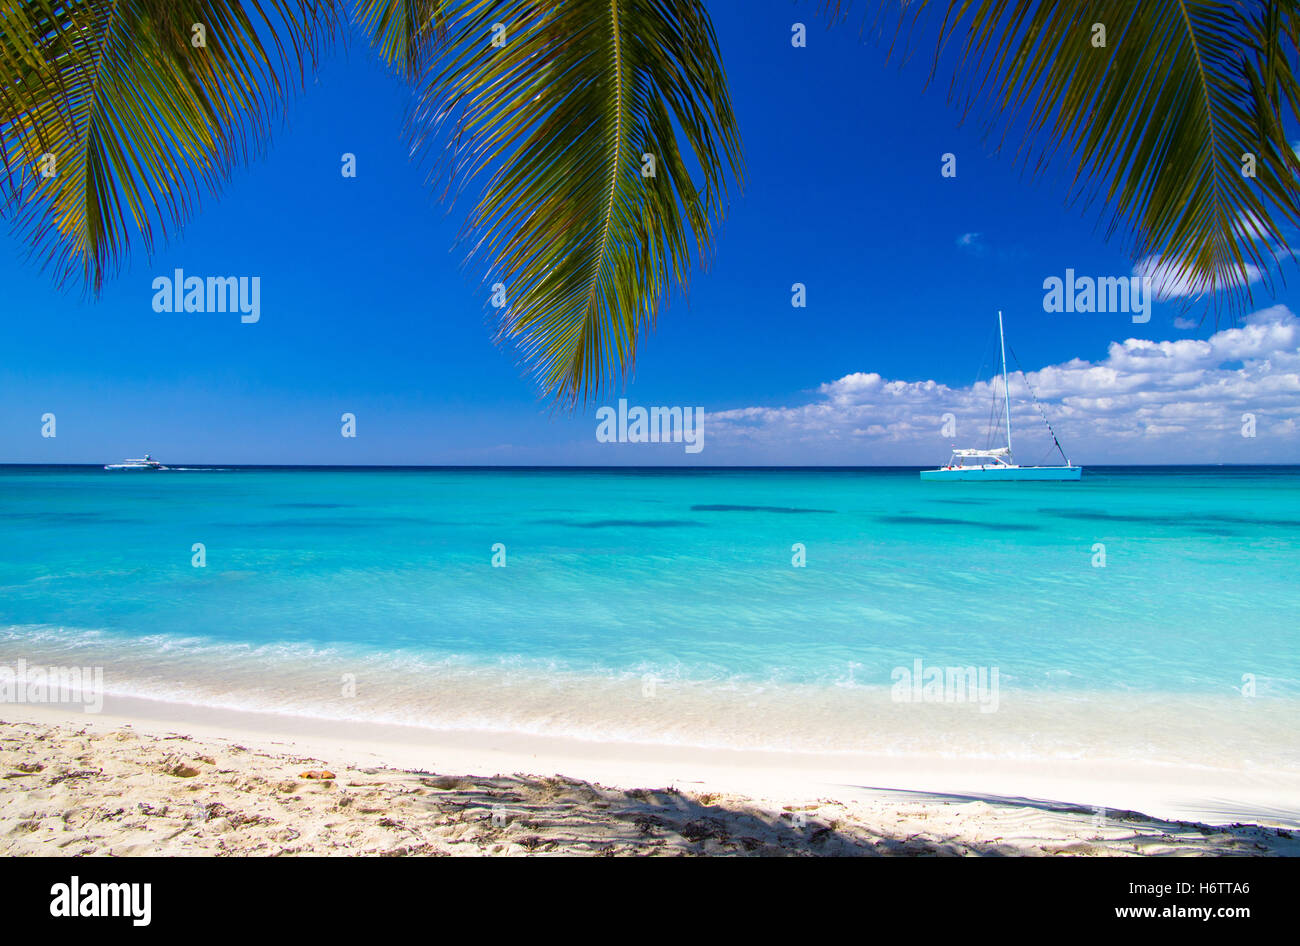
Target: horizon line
181, 467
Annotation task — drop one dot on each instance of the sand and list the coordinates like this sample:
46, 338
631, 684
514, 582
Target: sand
84, 787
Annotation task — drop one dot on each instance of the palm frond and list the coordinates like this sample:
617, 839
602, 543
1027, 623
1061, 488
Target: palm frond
1159, 120
407, 33
553, 122
138, 119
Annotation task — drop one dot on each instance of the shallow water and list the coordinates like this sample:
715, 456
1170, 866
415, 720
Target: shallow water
663, 606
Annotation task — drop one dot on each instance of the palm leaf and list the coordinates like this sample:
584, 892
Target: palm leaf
1158, 121
139, 121
407, 33
553, 125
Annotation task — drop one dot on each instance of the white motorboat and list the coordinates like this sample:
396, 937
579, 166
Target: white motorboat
146, 462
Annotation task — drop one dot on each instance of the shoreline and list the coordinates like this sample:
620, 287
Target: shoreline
982, 806
1226, 742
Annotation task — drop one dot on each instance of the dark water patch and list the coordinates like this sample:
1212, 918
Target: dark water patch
69, 517
1096, 516
1091, 516
620, 523
311, 524
312, 506
964, 502
939, 521
344, 523
723, 507
1247, 521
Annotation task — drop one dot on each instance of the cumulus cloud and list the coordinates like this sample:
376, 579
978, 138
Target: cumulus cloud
1146, 401
1167, 283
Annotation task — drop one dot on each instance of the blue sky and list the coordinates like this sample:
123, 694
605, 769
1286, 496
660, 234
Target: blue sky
366, 307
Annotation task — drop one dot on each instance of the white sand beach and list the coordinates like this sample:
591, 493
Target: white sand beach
154, 778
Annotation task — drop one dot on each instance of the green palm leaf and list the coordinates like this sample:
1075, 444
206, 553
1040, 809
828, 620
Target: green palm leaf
406, 32
139, 121
1158, 119
554, 122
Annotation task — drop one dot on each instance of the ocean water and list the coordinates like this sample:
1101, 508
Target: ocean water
1142, 613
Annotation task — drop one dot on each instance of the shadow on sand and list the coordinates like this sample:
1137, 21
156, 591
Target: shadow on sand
528, 814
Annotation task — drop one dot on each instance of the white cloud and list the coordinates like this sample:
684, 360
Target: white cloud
1145, 402
1167, 283
1170, 284
972, 244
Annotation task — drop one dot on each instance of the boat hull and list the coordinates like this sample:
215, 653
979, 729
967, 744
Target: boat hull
1005, 474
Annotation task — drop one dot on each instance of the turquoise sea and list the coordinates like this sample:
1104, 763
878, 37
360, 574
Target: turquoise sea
664, 606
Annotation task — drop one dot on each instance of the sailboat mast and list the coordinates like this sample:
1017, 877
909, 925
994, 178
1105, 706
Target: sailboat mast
1006, 380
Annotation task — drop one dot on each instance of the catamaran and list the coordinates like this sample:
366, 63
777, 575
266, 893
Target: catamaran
146, 462
998, 463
